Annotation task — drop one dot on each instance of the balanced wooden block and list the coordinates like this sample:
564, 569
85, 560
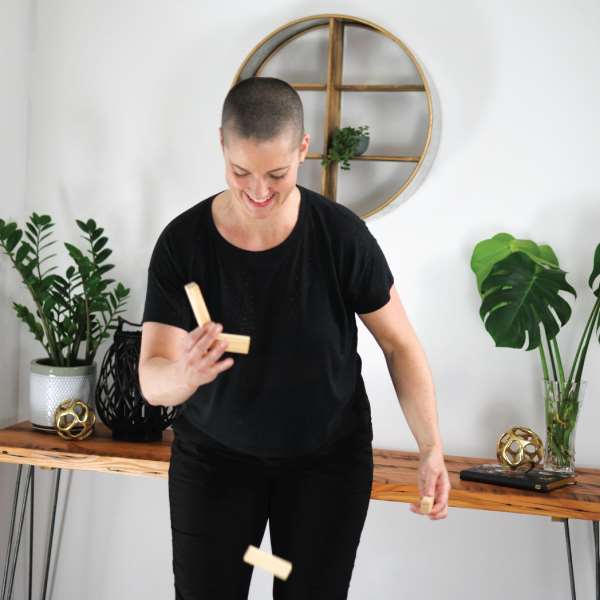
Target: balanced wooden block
197, 301
426, 504
280, 567
236, 343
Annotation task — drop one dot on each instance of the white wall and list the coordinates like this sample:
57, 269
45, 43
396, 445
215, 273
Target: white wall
126, 98
14, 75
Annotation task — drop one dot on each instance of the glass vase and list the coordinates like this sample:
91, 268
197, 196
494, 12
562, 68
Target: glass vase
562, 406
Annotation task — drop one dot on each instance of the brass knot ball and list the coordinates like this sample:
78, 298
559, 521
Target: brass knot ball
74, 420
520, 447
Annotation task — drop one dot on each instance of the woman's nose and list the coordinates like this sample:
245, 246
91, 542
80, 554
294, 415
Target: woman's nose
261, 190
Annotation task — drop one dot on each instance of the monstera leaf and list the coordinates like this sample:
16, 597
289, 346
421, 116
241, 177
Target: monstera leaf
519, 293
491, 251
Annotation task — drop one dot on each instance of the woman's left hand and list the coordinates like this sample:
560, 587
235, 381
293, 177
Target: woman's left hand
433, 480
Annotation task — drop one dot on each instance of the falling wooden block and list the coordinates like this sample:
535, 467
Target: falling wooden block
235, 343
274, 564
426, 504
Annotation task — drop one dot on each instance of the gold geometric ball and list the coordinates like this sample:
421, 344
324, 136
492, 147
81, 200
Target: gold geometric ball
520, 447
74, 420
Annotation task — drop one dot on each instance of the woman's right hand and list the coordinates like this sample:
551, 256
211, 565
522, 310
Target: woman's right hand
201, 351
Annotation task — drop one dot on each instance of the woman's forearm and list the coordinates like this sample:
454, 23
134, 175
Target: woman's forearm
413, 383
160, 382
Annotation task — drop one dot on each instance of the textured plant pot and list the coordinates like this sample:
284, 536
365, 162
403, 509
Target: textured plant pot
363, 144
50, 385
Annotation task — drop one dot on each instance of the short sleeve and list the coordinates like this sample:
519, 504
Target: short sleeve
369, 276
166, 300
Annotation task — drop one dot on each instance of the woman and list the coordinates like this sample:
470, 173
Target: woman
283, 433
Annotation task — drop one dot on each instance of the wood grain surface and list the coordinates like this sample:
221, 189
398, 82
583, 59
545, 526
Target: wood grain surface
394, 476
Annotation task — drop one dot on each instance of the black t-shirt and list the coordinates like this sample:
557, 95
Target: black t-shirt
300, 385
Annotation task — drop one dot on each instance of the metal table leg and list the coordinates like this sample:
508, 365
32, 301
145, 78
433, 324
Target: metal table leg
31, 511
12, 551
49, 550
570, 558
597, 553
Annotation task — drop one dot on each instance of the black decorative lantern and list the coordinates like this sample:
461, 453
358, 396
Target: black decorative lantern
119, 400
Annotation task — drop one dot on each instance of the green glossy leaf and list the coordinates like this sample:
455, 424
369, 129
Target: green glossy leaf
74, 252
27, 317
23, 251
96, 233
105, 268
595, 272
103, 255
13, 239
547, 254
82, 225
491, 251
100, 244
518, 296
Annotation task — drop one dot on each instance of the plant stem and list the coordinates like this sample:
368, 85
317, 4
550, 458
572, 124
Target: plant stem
589, 326
595, 312
561, 372
551, 355
544, 363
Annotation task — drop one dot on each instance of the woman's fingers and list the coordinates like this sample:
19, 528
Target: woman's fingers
202, 352
204, 342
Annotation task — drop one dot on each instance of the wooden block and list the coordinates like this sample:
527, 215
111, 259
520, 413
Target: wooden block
426, 504
278, 566
197, 301
236, 343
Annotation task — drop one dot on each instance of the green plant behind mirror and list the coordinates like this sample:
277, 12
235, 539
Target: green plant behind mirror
344, 143
78, 308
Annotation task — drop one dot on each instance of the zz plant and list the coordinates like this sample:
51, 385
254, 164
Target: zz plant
70, 311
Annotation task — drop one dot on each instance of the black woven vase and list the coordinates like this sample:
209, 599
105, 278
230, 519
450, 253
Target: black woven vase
119, 400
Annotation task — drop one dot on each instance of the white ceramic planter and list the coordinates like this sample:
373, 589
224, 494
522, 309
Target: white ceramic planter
49, 386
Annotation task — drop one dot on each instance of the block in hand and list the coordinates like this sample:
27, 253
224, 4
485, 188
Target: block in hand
426, 504
236, 343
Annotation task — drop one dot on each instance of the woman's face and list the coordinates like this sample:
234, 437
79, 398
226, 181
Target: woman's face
262, 174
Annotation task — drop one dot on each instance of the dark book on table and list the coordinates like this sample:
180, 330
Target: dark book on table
537, 479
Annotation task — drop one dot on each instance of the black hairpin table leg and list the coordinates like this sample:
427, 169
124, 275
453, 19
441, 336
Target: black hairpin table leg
597, 553
12, 550
570, 558
49, 550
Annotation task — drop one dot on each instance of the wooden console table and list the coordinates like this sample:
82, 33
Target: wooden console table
394, 479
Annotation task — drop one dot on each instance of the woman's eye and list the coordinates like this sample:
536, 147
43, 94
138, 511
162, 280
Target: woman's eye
240, 174
277, 176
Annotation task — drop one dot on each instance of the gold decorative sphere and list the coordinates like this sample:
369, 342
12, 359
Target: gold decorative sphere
74, 420
520, 447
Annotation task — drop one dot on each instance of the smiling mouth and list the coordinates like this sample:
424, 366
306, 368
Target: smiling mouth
259, 202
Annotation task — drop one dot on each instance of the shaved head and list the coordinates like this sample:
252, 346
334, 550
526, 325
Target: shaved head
262, 108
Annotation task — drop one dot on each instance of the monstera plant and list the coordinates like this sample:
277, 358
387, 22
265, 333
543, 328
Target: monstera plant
520, 284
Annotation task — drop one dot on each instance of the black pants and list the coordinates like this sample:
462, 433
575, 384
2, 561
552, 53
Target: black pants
316, 505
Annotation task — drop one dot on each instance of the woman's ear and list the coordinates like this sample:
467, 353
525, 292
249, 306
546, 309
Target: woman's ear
304, 147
